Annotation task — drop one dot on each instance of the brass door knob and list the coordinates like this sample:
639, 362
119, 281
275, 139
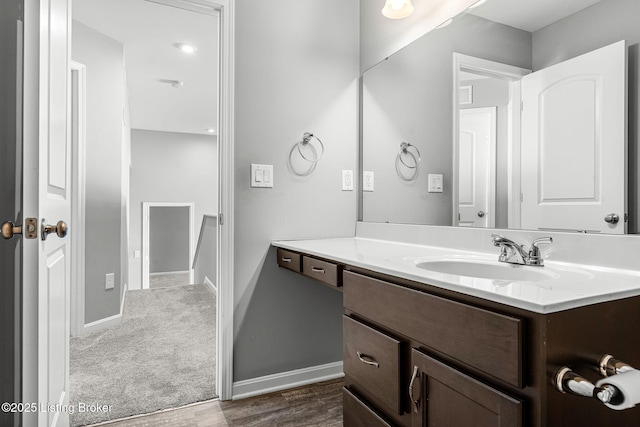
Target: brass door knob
30, 229
60, 229
9, 229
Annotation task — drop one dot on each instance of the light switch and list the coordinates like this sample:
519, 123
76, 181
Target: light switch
109, 281
435, 183
261, 175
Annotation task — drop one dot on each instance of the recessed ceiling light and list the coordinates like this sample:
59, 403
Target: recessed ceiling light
185, 47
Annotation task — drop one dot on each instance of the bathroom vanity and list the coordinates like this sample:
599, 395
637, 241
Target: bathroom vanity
425, 347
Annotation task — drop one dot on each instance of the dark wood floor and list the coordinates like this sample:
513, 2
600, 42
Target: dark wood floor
314, 405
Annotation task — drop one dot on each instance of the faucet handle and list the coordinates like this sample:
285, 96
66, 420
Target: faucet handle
497, 239
534, 252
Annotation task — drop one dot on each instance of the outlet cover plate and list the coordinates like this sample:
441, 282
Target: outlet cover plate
367, 181
347, 180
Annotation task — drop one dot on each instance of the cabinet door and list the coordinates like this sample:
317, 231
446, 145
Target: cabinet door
442, 396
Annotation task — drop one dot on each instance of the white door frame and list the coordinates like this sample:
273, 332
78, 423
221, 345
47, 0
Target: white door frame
513, 75
36, 14
78, 186
146, 250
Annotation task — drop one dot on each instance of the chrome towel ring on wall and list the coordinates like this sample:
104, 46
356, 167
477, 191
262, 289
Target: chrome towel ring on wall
306, 141
405, 152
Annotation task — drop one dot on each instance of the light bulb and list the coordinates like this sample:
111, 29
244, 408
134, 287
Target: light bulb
396, 9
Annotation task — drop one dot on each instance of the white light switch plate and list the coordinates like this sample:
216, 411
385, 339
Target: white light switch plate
261, 176
435, 183
347, 180
367, 181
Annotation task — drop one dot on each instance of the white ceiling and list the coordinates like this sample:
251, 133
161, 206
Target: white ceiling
148, 32
529, 15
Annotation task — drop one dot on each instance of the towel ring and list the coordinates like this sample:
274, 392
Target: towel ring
404, 150
306, 139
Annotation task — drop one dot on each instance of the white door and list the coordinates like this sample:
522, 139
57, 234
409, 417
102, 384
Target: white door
574, 143
476, 169
47, 161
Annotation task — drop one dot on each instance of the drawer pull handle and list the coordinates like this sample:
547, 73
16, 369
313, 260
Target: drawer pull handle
367, 359
317, 270
286, 259
414, 402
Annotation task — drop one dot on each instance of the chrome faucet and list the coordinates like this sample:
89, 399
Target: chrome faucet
514, 253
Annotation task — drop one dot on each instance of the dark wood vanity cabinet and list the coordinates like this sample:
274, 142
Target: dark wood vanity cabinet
420, 355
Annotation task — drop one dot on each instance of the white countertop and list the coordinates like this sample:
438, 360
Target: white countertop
569, 285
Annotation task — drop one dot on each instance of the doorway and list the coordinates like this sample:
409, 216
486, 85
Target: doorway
135, 153
167, 242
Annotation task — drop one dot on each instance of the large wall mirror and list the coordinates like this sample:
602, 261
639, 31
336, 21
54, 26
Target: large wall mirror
448, 134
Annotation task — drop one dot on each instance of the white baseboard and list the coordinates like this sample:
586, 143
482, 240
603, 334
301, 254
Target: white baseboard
212, 286
107, 322
163, 273
285, 380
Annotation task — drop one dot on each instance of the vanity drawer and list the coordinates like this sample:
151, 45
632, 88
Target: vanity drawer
358, 414
372, 360
488, 341
324, 271
288, 259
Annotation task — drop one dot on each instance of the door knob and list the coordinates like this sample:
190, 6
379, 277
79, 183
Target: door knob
60, 229
30, 229
612, 218
481, 214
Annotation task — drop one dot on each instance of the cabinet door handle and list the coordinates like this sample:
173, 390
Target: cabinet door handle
318, 270
367, 359
414, 402
286, 259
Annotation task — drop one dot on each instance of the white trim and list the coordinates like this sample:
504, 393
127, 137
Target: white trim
498, 70
167, 273
146, 206
212, 286
286, 380
78, 186
226, 193
107, 322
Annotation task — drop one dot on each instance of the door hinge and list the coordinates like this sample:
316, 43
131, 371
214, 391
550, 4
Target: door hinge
220, 219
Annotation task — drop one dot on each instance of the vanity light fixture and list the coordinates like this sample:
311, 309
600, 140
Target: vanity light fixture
397, 9
185, 47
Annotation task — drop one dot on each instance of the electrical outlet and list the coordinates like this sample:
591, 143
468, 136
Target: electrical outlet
109, 281
367, 178
347, 180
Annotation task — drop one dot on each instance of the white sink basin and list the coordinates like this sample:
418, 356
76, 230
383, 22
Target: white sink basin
488, 270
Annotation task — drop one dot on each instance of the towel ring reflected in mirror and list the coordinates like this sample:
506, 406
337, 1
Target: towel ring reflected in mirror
409, 157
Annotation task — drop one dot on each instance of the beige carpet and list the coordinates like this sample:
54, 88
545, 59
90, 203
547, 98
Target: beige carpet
168, 280
161, 356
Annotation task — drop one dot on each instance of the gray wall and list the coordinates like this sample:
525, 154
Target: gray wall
168, 239
170, 167
295, 72
597, 26
104, 60
409, 98
491, 92
205, 264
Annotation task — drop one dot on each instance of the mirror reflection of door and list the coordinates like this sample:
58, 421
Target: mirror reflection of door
574, 143
477, 167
